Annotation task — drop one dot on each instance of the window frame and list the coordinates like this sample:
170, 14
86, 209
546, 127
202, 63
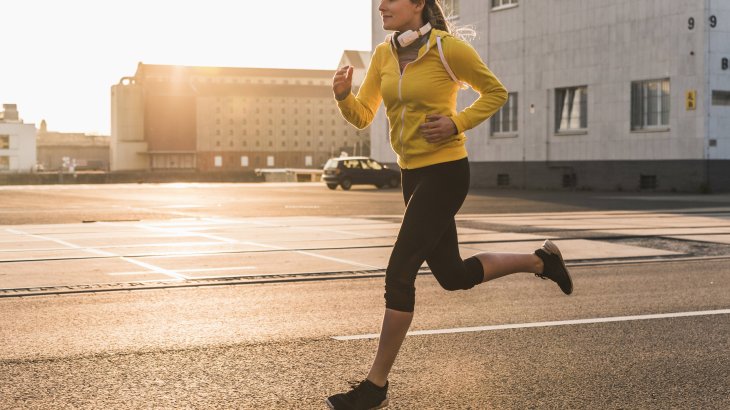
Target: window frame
581, 120
513, 107
503, 4
645, 111
448, 6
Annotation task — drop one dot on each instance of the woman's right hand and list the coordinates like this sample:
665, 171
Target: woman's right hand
342, 82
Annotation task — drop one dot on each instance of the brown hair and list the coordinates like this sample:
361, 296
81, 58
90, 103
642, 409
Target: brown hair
433, 13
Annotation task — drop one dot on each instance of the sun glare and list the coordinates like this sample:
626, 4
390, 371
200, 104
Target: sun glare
63, 68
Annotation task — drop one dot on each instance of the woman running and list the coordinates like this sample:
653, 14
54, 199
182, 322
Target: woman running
417, 71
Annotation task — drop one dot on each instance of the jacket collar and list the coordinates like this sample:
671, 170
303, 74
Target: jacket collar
424, 48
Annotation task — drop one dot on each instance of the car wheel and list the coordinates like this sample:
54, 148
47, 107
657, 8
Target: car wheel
332, 186
394, 182
346, 184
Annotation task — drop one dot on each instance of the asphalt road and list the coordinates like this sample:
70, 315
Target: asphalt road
272, 346
77, 203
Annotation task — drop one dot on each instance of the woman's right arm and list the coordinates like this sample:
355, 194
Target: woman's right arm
358, 110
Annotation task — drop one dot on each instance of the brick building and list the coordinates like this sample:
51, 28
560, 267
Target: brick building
218, 118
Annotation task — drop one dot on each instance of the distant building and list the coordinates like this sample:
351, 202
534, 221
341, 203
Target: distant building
217, 118
17, 142
85, 152
603, 94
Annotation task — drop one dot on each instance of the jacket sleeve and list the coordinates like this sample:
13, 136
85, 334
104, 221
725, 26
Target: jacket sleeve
469, 68
360, 110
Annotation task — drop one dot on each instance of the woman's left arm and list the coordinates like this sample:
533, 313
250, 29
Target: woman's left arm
469, 68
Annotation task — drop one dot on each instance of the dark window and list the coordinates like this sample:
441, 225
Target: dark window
571, 108
649, 104
647, 181
505, 120
720, 97
502, 179
570, 180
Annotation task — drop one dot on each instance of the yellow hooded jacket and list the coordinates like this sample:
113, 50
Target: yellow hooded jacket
424, 88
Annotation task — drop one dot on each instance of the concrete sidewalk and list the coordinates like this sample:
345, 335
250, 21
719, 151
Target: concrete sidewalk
37, 256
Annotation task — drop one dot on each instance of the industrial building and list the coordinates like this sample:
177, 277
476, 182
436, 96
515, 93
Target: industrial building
17, 142
604, 95
219, 118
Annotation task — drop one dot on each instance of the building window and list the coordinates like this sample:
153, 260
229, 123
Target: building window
649, 104
505, 120
4, 141
451, 9
4, 163
496, 4
308, 161
270, 161
244, 161
271, 143
218, 161
571, 108
718, 98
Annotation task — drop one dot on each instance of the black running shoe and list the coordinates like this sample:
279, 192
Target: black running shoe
363, 396
554, 269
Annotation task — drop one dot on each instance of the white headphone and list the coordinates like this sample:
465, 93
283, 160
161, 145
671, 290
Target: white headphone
408, 37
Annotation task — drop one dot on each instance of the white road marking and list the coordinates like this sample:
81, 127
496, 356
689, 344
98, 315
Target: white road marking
261, 245
171, 273
157, 269
545, 324
64, 243
186, 232
184, 270
314, 255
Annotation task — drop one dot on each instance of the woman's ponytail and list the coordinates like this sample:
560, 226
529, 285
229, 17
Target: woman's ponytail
433, 13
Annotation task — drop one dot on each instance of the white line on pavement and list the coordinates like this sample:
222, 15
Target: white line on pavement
544, 324
185, 270
157, 269
64, 243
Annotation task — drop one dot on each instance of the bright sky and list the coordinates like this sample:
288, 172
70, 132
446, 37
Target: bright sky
58, 59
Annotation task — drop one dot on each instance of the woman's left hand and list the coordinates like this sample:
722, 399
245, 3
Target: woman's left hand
438, 128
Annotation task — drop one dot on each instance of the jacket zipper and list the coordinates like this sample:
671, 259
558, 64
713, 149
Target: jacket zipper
400, 94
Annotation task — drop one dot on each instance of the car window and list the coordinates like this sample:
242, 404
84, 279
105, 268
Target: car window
352, 164
374, 164
365, 164
332, 163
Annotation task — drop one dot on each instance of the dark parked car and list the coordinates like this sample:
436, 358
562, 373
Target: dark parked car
349, 171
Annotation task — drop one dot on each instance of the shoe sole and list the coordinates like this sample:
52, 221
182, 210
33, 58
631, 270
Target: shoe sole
552, 248
382, 405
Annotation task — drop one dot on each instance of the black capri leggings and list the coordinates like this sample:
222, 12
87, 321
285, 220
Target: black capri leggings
433, 195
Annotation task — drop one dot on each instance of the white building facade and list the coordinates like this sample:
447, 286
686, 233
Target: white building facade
17, 142
604, 95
